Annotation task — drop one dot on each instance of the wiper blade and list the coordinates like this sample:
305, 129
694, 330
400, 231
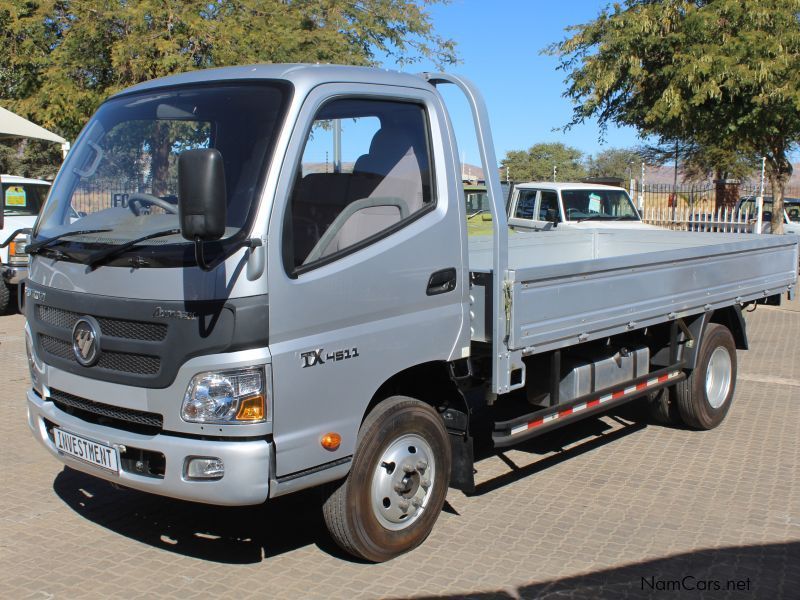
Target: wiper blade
37, 246
104, 255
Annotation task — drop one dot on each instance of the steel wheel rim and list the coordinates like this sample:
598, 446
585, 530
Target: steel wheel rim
718, 376
403, 482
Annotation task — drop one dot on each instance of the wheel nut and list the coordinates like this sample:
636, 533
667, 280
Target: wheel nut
408, 468
416, 503
425, 483
422, 465
399, 487
403, 505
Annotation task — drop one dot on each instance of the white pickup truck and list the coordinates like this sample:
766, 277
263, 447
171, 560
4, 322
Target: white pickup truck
543, 205
22, 198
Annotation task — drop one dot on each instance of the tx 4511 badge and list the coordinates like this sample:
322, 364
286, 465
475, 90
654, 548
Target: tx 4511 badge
319, 356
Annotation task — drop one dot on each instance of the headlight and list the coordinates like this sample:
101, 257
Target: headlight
226, 397
16, 252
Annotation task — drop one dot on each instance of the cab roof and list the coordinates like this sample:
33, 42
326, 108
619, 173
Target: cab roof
565, 185
302, 76
23, 180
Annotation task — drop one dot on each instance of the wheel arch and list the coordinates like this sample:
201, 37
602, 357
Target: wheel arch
431, 382
729, 317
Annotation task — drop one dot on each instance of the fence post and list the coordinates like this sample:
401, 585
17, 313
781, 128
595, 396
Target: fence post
759, 210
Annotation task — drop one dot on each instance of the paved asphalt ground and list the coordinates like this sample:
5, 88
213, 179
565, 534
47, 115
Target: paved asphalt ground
614, 507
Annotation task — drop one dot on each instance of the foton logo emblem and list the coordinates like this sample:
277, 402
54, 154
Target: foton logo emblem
85, 343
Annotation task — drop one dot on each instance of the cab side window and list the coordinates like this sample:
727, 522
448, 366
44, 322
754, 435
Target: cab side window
365, 171
525, 204
549, 202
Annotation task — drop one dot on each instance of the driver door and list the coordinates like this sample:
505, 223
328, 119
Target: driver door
367, 271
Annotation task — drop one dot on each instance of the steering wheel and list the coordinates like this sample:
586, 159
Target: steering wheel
572, 211
137, 198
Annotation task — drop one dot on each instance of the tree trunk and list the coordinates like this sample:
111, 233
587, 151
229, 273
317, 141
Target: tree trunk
781, 170
159, 159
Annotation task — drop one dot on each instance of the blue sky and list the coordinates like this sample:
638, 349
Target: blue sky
499, 45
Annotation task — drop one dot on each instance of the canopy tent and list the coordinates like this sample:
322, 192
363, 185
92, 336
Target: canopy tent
12, 125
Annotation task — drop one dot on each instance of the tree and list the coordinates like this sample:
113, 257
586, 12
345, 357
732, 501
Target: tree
59, 59
721, 74
615, 162
698, 163
536, 163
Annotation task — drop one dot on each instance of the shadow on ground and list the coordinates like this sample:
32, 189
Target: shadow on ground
241, 535
768, 571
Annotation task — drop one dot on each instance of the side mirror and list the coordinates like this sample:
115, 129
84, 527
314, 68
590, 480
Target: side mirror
552, 216
202, 203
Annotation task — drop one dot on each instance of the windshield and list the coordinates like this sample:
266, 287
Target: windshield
599, 204
122, 174
24, 199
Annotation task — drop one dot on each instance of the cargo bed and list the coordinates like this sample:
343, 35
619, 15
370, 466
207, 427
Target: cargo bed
566, 287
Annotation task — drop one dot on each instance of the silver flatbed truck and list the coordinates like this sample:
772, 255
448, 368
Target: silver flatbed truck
270, 287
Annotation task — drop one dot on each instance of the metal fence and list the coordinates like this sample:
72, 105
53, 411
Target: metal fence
699, 197
685, 219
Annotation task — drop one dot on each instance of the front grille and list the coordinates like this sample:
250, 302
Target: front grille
106, 414
138, 364
119, 328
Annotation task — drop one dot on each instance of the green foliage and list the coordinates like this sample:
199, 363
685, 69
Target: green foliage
699, 163
717, 73
59, 59
536, 163
30, 158
615, 162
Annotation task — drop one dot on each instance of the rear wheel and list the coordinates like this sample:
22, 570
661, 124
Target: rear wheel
705, 396
397, 484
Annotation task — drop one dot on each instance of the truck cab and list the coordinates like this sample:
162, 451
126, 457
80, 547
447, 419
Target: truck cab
544, 205
791, 213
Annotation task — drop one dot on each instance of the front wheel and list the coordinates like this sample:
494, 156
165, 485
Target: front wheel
397, 484
705, 396
6, 297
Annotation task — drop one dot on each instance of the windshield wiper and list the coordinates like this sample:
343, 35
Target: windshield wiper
37, 246
104, 255
57, 254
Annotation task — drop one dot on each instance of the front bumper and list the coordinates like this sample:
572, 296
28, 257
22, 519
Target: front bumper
12, 274
247, 462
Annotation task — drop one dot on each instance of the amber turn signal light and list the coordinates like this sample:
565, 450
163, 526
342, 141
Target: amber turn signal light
251, 409
331, 441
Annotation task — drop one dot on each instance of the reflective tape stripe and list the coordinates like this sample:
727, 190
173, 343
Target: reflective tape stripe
565, 412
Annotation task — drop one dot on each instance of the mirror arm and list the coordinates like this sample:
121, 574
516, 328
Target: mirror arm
199, 256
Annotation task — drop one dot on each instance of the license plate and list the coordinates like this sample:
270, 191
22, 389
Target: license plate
88, 451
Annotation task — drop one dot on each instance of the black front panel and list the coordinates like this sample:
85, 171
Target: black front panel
141, 342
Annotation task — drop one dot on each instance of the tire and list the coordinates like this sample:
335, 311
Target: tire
705, 396
663, 408
6, 298
364, 513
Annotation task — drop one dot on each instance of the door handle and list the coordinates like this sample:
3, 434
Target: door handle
442, 282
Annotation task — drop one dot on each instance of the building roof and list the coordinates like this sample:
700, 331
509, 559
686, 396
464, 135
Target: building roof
12, 125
